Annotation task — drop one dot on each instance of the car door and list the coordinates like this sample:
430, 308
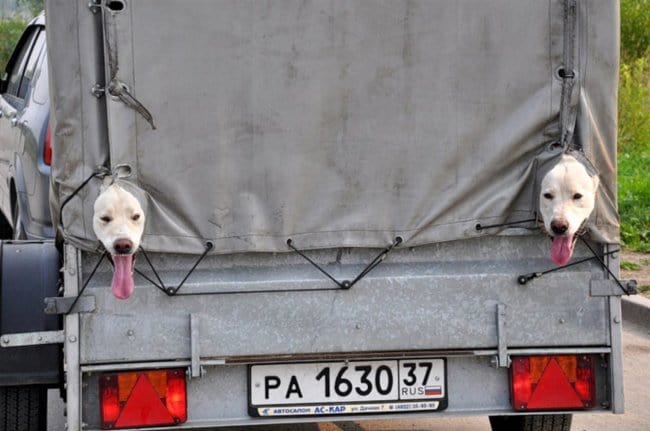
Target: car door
13, 90
30, 121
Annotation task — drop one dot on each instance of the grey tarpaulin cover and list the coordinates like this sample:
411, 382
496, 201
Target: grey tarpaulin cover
337, 123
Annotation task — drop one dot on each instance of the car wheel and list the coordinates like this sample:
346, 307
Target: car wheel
19, 230
23, 408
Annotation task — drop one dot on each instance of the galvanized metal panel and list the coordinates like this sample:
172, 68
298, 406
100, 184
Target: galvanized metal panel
74, 390
401, 305
220, 397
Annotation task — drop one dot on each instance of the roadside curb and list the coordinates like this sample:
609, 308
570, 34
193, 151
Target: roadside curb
636, 309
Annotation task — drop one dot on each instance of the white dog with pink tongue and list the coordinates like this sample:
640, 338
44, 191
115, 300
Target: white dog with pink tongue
567, 198
118, 222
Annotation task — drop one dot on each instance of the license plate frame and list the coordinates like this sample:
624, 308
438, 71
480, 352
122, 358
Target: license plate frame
377, 386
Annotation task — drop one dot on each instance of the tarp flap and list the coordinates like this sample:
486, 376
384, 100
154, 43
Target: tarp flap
336, 123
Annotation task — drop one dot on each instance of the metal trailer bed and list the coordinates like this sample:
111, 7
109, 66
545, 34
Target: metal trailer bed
460, 301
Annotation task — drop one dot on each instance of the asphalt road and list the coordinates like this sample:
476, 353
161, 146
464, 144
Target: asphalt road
636, 347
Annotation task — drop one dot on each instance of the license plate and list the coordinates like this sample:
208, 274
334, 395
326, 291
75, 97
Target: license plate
351, 387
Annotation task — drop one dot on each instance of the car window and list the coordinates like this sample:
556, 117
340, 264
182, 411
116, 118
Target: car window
16, 74
31, 64
40, 94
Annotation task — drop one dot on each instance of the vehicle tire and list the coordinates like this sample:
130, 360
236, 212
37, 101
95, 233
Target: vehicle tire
531, 423
23, 408
19, 231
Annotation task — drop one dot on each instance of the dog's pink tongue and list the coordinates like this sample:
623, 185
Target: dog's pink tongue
562, 249
122, 284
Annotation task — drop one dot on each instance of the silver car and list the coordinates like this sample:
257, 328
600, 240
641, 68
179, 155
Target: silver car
25, 150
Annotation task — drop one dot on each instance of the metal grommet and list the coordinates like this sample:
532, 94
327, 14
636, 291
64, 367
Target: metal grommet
123, 170
561, 73
554, 147
116, 5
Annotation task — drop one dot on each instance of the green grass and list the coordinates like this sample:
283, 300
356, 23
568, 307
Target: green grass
635, 29
10, 31
630, 266
634, 125
634, 199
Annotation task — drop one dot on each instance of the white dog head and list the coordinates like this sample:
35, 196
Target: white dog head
118, 222
566, 200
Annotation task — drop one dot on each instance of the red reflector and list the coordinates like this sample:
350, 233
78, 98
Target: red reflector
553, 382
554, 391
143, 407
144, 398
47, 147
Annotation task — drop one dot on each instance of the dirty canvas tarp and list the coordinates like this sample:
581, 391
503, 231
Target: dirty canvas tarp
331, 122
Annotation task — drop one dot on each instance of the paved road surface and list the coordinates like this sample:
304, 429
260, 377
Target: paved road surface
636, 344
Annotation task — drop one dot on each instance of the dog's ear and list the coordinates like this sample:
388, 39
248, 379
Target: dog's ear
596, 182
107, 181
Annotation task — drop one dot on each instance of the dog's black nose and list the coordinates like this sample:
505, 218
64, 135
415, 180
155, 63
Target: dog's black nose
559, 227
123, 246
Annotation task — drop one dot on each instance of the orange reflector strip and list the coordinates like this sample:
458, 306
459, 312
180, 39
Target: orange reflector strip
539, 363
569, 366
158, 380
537, 366
144, 398
553, 382
126, 382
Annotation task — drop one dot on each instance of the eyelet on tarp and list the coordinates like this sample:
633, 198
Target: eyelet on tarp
123, 170
561, 73
116, 5
554, 147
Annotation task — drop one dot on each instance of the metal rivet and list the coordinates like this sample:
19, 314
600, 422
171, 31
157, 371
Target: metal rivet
617, 319
5, 340
130, 332
562, 320
72, 339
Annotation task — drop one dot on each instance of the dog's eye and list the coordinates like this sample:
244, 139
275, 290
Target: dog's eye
135, 217
577, 196
106, 219
548, 196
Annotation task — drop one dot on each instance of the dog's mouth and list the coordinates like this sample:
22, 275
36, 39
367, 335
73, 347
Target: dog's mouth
562, 248
563, 245
122, 283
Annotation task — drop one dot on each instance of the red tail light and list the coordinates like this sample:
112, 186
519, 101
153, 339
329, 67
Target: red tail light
144, 398
553, 382
176, 396
47, 147
110, 400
